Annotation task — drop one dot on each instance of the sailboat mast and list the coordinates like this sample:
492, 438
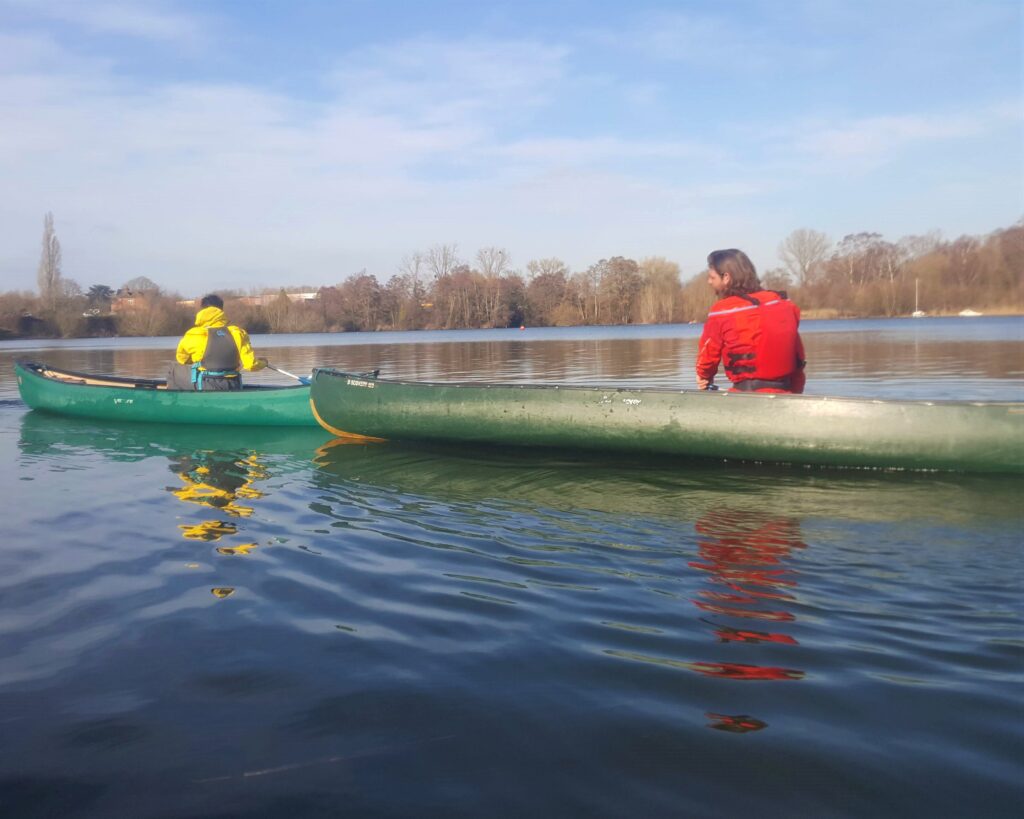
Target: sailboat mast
917, 307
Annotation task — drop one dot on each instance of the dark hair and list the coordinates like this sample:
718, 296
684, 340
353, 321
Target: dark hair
740, 269
212, 300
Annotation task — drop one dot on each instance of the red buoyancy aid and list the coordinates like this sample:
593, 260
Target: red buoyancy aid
756, 338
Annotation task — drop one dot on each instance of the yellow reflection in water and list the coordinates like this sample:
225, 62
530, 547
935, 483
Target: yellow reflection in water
218, 480
244, 549
208, 530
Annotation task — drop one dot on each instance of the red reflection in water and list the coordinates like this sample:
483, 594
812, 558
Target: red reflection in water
735, 723
731, 576
743, 554
748, 594
735, 635
735, 671
735, 612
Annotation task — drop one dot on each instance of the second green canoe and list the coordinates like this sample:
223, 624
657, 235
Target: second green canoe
115, 398
799, 429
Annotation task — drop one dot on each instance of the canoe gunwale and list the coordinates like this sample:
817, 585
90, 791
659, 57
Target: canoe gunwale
1012, 406
72, 378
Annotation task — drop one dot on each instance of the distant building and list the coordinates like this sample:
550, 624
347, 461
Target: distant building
267, 298
125, 299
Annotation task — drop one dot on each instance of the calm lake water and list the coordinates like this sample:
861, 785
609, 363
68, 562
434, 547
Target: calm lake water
206, 622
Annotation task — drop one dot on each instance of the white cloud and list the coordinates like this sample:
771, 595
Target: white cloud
24, 52
588, 151
145, 19
435, 80
703, 40
875, 139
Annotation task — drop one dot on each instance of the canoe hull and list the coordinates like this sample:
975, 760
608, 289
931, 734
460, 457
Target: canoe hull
143, 400
742, 426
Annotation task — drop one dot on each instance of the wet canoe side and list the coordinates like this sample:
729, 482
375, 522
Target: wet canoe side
754, 427
110, 398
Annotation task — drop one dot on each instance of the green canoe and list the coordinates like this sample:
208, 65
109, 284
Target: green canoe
799, 429
141, 399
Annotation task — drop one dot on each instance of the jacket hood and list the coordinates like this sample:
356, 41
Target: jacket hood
211, 317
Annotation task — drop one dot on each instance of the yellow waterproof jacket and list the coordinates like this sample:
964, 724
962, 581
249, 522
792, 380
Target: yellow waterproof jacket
193, 344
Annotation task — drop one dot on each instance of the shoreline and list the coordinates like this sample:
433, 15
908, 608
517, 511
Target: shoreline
805, 315
830, 314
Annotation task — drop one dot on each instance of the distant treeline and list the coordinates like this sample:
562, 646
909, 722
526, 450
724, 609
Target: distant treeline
862, 275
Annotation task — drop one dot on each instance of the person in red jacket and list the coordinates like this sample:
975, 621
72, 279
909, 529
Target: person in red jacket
752, 332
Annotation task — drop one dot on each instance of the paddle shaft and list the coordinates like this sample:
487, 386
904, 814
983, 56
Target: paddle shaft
298, 378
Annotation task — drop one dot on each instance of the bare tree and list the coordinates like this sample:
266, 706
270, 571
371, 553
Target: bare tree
660, 292
549, 266
545, 293
582, 290
495, 287
493, 261
48, 274
802, 251
362, 292
913, 246
141, 284
279, 312
696, 298
620, 286
442, 260
411, 270
400, 303
777, 278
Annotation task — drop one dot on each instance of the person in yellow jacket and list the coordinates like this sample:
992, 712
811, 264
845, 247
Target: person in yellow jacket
217, 351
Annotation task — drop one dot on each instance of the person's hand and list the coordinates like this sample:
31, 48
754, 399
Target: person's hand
703, 383
259, 364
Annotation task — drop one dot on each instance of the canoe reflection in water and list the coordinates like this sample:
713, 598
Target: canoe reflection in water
743, 554
219, 480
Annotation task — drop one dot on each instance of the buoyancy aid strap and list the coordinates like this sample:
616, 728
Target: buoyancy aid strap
780, 295
753, 306
754, 384
733, 367
732, 310
198, 374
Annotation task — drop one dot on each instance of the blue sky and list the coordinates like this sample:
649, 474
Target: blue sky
242, 144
